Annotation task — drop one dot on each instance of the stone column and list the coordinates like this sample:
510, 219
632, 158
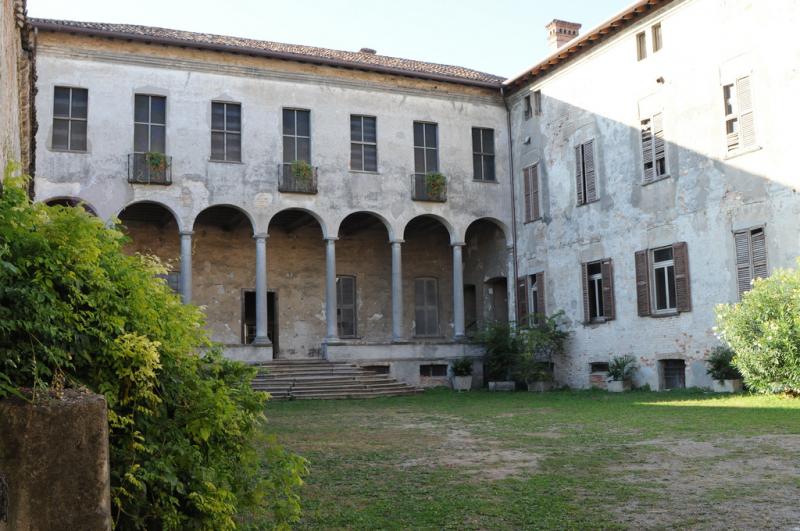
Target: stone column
330, 290
186, 266
397, 292
458, 292
511, 286
261, 290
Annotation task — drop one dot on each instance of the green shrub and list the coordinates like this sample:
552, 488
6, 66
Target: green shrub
541, 341
184, 422
462, 367
503, 348
621, 367
764, 332
720, 365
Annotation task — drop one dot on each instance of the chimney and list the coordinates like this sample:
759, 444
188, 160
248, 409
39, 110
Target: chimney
368, 50
560, 32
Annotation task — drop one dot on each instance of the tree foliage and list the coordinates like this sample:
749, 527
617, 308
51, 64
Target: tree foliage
187, 448
764, 332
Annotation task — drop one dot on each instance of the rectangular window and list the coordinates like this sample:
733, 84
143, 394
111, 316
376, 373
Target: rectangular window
296, 137
751, 257
248, 316
537, 102
674, 373
598, 291
483, 154
530, 177
656, 31
641, 46
663, 280
585, 175
426, 148
527, 109
654, 152
226, 131
426, 307
150, 124
70, 107
536, 294
739, 119
600, 366
346, 305
363, 143
433, 370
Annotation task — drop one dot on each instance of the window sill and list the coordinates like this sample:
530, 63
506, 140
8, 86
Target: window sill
654, 181
486, 181
365, 171
587, 203
659, 315
217, 161
534, 220
740, 152
596, 322
74, 151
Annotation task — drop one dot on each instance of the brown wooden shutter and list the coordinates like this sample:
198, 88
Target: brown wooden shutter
647, 151
607, 269
642, 283
585, 287
535, 201
758, 250
683, 293
540, 292
589, 173
744, 99
659, 146
526, 176
522, 300
744, 272
579, 173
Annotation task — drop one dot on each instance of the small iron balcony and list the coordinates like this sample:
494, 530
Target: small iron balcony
429, 187
149, 168
298, 178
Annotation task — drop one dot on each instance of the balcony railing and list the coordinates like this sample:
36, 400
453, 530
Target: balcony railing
293, 180
149, 168
429, 187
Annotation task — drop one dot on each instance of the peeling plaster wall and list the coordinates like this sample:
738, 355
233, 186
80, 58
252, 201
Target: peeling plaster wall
707, 196
485, 259
13, 84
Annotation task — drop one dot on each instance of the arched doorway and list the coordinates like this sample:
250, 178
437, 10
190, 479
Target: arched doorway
485, 274
153, 230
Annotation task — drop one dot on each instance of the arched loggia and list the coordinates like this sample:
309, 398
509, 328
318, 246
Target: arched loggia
153, 229
71, 202
486, 274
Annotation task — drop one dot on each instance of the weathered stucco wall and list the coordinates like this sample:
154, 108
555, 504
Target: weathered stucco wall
14, 86
707, 196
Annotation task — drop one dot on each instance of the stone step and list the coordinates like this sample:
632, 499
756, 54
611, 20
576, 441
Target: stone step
364, 394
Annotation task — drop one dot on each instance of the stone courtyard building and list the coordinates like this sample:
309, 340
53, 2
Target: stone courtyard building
359, 207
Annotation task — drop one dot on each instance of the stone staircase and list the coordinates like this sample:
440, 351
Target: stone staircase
321, 379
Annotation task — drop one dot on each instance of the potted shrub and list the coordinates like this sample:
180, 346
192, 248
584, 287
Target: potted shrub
620, 370
503, 347
462, 374
727, 378
435, 184
302, 172
541, 341
537, 375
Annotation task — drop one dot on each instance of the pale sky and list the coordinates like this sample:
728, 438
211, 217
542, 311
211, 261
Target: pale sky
501, 37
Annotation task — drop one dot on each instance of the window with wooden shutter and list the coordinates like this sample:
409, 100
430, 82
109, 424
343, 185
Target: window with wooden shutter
739, 119
537, 293
607, 272
683, 291
346, 305
530, 176
642, 283
654, 148
598, 291
522, 300
537, 102
585, 174
751, 257
426, 307
526, 105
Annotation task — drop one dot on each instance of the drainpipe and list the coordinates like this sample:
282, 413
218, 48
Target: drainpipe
513, 203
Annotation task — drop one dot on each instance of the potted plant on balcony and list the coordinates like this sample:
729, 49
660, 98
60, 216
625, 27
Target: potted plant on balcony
157, 162
302, 172
620, 370
462, 374
435, 184
727, 378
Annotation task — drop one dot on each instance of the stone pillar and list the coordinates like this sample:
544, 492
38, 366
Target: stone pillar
330, 290
397, 292
511, 286
186, 266
458, 292
261, 290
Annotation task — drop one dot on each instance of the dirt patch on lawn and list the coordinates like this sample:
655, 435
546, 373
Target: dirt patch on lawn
729, 483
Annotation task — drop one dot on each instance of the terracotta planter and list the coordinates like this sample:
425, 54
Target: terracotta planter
618, 386
728, 386
502, 386
540, 387
462, 383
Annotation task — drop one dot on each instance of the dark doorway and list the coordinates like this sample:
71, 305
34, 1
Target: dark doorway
249, 318
470, 310
497, 291
674, 374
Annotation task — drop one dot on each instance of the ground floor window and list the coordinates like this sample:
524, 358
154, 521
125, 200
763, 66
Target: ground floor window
377, 369
426, 307
346, 305
674, 374
433, 370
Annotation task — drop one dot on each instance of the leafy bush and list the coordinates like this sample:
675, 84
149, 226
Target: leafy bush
462, 367
621, 368
720, 365
763, 330
184, 422
541, 342
503, 347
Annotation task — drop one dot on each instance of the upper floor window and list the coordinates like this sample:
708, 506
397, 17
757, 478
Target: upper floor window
598, 291
654, 150
363, 143
641, 46
296, 135
70, 107
585, 175
483, 154
751, 257
226, 131
739, 119
537, 102
150, 124
527, 109
662, 280
530, 176
530, 297
426, 148
656, 35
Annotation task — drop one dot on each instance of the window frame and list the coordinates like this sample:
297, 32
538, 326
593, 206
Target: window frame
656, 37
426, 308
484, 155
641, 46
527, 109
752, 263
340, 306
295, 136
70, 119
425, 147
647, 126
537, 102
150, 123
596, 281
225, 131
362, 143
583, 198
532, 188
665, 265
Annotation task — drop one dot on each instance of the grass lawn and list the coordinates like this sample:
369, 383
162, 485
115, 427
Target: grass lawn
556, 460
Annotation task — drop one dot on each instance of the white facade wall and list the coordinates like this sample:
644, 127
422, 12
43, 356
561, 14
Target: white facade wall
707, 196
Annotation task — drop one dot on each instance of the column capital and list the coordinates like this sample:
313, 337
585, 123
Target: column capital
260, 236
457, 244
510, 248
331, 238
398, 241
186, 232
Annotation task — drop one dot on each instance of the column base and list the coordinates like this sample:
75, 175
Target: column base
460, 339
400, 341
262, 342
333, 341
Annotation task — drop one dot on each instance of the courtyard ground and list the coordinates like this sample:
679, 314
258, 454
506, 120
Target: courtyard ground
559, 460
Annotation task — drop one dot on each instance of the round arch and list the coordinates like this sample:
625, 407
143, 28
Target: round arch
311, 213
221, 207
454, 236
389, 229
499, 224
69, 201
151, 206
